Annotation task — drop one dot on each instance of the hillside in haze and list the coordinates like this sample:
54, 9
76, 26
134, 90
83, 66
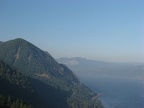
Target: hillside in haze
48, 83
1, 42
85, 67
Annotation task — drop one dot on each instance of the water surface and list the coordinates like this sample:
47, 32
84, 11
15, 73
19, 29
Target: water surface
117, 92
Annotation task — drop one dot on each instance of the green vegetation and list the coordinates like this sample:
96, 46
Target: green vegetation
83, 97
13, 76
8, 102
32, 91
39, 80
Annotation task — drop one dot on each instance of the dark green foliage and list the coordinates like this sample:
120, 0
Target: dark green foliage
15, 84
42, 83
33, 91
51, 96
83, 97
13, 76
8, 102
34, 62
27, 57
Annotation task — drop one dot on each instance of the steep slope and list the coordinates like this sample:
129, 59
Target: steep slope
22, 54
14, 87
33, 61
18, 87
40, 66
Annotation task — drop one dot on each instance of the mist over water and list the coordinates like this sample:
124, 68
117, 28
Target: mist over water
117, 92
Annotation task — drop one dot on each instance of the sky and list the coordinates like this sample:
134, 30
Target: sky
108, 30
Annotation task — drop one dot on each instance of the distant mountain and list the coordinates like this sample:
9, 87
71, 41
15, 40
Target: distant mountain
85, 67
50, 80
81, 62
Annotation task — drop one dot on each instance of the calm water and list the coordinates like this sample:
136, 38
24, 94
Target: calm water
117, 92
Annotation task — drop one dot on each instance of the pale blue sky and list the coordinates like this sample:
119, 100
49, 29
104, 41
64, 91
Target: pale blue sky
109, 30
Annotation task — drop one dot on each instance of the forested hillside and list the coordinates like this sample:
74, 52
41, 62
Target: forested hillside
30, 74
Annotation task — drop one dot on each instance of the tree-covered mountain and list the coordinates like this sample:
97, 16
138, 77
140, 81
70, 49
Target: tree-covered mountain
48, 83
12, 86
34, 62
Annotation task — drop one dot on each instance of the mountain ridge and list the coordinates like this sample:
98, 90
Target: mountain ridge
40, 65
34, 62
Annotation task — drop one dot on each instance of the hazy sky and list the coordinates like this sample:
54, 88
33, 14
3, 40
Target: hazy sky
109, 30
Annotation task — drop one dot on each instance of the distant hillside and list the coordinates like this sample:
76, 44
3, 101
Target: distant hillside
85, 67
50, 80
78, 61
